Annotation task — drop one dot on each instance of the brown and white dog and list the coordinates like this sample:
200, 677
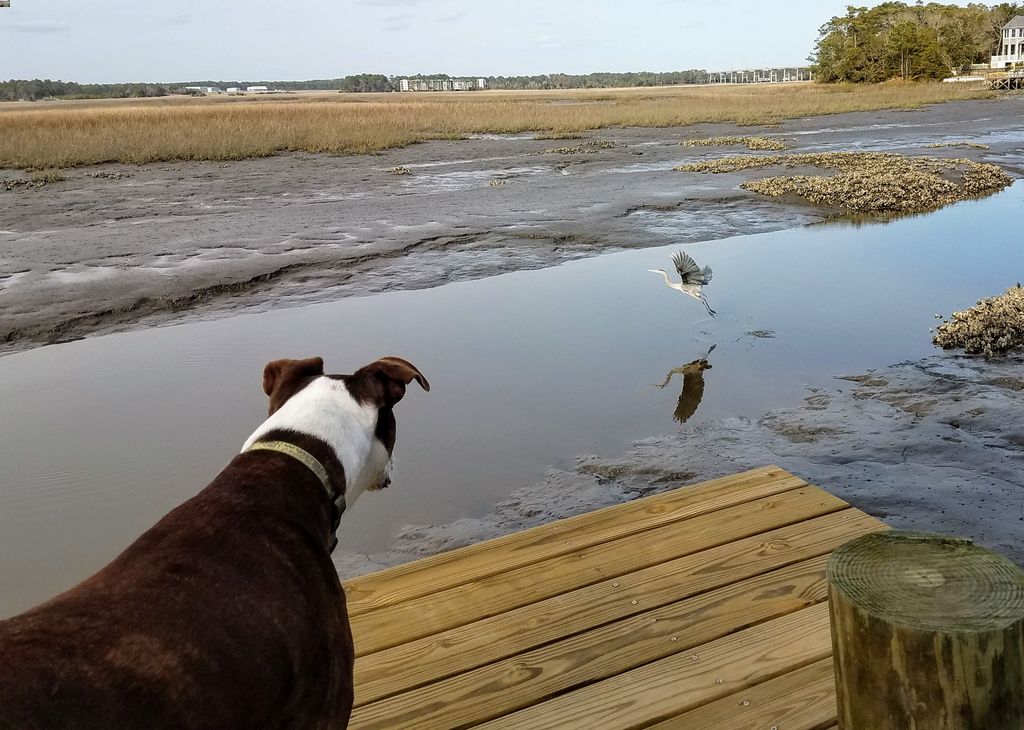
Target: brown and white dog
228, 613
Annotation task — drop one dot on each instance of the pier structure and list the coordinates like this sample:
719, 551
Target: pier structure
734, 603
700, 607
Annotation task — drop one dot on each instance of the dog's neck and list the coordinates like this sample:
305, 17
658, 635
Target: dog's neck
327, 492
327, 412
306, 459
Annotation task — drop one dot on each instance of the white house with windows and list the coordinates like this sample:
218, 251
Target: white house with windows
1011, 44
441, 84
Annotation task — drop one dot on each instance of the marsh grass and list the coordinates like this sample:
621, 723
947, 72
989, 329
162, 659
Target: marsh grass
44, 177
67, 134
559, 135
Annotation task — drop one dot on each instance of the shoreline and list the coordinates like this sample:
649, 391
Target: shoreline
943, 428
116, 248
190, 242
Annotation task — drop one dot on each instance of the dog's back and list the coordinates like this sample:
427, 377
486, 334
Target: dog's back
222, 615
228, 613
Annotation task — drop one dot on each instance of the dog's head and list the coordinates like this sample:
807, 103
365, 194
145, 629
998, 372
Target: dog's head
352, 413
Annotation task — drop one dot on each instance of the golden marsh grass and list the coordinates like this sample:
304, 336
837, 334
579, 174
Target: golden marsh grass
67, 134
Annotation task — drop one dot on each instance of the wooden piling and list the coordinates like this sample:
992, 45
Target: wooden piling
927, 633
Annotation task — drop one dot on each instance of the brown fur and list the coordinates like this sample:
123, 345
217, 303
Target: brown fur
228, 613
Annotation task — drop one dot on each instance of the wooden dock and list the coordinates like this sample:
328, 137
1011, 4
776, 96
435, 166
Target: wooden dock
702, 607
1008, 81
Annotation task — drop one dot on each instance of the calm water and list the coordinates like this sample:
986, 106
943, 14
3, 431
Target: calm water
99, 438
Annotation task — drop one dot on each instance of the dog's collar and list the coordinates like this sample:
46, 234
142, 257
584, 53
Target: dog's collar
308, 460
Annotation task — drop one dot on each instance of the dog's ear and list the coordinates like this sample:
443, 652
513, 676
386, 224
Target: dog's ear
391, 375
284, 378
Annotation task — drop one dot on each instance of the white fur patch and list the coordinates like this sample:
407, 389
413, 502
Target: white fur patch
325, 409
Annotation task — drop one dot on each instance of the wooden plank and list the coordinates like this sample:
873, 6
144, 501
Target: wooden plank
455, 567
463, 648
800, 700
679, 683
404, 622
526, 679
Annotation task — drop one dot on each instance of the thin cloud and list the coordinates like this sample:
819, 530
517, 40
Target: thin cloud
397, 23
548, 43
175, 20
450, 18
391, 3
36, 26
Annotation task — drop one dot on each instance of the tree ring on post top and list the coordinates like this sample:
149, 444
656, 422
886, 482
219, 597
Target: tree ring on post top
928, 582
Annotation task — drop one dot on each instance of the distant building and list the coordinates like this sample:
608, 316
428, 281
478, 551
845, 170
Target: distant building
779, 75
1011, 44
257, 89
205, 89
441, 84
234, 90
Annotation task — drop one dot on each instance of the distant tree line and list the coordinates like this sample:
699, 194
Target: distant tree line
356, 83
897, 40
36, 89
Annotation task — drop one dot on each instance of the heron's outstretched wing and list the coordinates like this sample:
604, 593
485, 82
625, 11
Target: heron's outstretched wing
688, 269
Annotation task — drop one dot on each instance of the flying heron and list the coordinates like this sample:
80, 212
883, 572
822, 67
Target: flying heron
693, 278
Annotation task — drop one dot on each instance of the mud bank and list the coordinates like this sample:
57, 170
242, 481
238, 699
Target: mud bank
936, 444
116, 248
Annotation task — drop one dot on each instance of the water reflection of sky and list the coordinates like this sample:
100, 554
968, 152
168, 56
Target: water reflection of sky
101, 437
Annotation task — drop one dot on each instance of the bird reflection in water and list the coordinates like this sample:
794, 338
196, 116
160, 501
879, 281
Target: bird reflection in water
693, 386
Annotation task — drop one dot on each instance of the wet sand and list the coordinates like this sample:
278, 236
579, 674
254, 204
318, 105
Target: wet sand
116, 248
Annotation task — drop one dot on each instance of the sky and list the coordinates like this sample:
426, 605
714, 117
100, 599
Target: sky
127, 40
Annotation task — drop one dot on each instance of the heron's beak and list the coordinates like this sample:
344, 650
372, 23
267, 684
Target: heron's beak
654, 271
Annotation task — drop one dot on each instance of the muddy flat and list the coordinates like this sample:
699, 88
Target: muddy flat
115, 247
565, 375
